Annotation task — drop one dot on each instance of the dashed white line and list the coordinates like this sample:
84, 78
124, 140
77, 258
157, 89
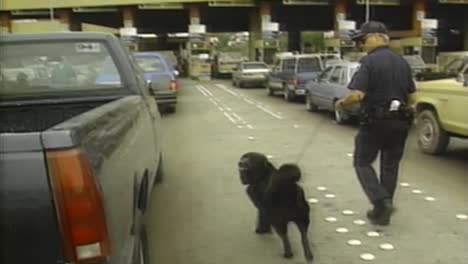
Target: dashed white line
227, 90
221, 109
250, 127
201, 90
235, 115
248, 101
206, 90
230, 118
270, 112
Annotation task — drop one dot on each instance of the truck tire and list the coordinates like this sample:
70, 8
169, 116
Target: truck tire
310, 106
288, 96
432, 138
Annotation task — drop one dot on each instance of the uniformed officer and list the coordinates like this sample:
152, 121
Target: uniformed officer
382, 86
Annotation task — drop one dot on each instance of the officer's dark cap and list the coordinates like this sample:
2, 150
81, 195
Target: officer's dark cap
369, 28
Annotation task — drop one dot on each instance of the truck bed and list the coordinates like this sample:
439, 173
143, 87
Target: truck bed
40, 116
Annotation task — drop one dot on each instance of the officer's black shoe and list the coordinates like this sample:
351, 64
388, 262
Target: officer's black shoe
381, 213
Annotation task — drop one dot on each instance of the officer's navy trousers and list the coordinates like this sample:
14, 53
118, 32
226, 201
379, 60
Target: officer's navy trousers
387, 138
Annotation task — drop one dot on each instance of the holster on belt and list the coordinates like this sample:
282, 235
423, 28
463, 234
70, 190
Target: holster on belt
370, 116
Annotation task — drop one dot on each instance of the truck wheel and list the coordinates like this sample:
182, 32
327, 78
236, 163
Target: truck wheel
310, 106
432, 138
171, 109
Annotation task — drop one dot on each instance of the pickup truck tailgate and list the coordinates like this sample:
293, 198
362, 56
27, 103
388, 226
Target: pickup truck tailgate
28, 222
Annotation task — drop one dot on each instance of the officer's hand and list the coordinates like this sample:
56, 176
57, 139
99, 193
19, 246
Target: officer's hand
339, 104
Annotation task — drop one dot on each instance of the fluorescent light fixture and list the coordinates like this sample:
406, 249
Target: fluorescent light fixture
306, 2
161, 6
94, 10
231, 3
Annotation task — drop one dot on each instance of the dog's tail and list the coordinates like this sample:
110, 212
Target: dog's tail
289, 173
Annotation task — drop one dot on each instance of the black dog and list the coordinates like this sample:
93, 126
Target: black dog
278, 198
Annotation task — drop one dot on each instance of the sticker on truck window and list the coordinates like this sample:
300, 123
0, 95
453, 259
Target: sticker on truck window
88, 47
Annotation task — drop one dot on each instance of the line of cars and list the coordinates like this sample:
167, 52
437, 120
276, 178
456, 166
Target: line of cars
321, 80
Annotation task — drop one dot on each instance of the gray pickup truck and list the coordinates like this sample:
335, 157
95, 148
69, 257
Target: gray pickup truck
79, 151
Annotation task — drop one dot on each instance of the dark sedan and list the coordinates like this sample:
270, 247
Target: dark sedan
163, 78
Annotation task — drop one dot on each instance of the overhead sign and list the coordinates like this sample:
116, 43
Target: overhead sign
128, 31
429, 24
197, 29
346, 25
270, 26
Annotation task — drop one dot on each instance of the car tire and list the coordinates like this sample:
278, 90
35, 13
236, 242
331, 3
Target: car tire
269, 89
310, 106
432, 138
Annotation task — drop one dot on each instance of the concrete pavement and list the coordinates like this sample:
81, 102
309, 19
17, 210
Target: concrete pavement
200, 213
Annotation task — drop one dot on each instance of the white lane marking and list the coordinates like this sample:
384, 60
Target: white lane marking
404, 184
342, 230
386, 246
251, 138
359, 222
462, 216
367, 256
270, 112
322, 188
354, 242
239, 126
373, 234
348, 212
313, 200
248, 101
230, 118
201, 90
221, 109
331, 219
270, 156
227, 90
330, 196
430, 199
206, 90
229, 109
235, 115
416, 191
250, 127
350, 154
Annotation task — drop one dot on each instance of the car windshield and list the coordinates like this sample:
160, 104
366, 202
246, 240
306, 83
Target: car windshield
308, 65
56, 67
150, 63
255, 66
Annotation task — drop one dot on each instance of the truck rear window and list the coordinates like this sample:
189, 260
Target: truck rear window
309, 65
30, 69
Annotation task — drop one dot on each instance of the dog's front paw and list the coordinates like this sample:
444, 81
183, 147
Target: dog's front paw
309, 258
288, 255
261, 231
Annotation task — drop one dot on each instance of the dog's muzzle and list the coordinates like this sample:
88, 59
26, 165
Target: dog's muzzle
244, 175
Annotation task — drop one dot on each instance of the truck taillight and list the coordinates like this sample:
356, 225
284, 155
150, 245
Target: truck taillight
79, 206
173, 85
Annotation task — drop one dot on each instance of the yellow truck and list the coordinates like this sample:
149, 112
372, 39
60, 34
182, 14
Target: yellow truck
441, 108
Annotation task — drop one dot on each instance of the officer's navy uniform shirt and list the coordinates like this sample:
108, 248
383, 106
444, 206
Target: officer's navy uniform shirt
383, 76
